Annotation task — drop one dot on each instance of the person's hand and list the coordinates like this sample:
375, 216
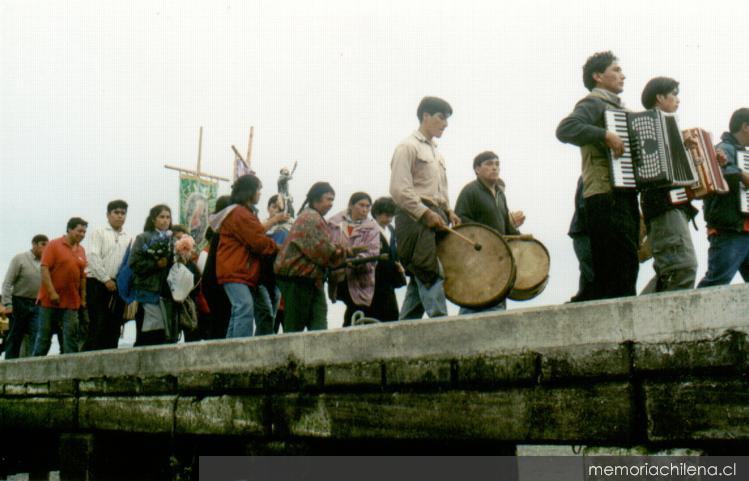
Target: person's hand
745, 179
6, 310
517, 217
110, 285
400, 268
280, 218
83, 302
454, 219
433, 220
613, 142
54, 298
721, 157
162, 263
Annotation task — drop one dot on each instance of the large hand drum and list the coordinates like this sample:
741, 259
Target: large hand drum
476, 278
532, 262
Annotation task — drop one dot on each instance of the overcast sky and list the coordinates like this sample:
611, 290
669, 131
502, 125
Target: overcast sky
96, 96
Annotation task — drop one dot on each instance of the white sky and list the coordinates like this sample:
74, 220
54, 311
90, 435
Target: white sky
96, 96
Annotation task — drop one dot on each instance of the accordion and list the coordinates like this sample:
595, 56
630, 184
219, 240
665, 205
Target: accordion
710, 176
654, 154
742, 161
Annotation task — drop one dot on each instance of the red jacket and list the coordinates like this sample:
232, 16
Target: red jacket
241, 243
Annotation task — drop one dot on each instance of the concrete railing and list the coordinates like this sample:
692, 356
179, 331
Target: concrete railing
665, 369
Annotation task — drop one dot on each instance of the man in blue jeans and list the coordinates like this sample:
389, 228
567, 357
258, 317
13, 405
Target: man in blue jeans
418, 184
727, 226
21, 285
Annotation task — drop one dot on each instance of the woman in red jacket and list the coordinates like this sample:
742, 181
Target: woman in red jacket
241, 244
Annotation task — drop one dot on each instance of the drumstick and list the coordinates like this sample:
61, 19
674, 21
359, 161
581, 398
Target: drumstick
475, 245
518, 237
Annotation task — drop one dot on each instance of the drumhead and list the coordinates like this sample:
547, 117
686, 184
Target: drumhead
532, 262
474, 278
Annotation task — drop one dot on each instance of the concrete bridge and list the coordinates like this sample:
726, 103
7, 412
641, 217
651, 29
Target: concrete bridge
659, 371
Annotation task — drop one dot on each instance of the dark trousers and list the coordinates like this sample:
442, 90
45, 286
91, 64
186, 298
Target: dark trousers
613, 224
105, 311
306, 306
22, 322
581, 244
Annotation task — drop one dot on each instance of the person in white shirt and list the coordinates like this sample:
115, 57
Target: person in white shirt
107, 246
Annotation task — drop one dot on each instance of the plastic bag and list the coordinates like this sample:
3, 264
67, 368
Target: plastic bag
181, 281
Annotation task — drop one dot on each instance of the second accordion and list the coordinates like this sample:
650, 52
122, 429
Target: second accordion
654, 154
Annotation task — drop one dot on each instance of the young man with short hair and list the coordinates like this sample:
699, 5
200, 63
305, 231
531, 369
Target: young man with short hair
107, 246
483, 201
418, 184
63, 289
612, 216
20, 288
674, 259
727, 226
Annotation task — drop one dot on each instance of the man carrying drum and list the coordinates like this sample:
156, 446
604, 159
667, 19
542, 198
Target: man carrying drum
483, 201
418, 184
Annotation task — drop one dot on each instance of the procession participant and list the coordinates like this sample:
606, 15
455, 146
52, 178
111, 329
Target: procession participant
63, 289
219, 306
581, 244
418, 184
238, 267
107, 246
727, 225
151, 257
303, 259
22, 282
612, 216
353, 228
674, 259
389, 273
483, 201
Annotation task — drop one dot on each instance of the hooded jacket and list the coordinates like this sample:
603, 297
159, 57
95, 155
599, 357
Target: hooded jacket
240, 246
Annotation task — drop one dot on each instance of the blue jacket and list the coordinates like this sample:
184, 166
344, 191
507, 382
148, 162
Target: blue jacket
723, 212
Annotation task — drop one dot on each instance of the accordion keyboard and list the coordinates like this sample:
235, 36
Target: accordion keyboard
742, 160
622, 170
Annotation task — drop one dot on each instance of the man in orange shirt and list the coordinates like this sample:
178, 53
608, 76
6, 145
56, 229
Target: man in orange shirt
63, 289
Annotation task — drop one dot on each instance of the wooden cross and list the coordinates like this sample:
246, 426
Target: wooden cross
197, 171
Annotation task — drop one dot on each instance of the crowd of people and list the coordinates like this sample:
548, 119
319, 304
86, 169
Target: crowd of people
260, 277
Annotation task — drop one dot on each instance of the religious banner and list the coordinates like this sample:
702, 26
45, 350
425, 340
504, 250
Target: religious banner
197, 199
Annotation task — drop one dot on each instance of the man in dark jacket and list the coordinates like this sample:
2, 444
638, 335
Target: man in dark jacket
727, 226
612, 216
483, 201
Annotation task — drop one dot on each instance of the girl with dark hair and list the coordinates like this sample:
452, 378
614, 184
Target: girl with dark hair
243, 242
305, 255
389, 274
353, 228
151, 256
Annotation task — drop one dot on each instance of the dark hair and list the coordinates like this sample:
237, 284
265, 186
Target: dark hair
179, 228
273, 199
739, 118
153, 214
244, 189
433, 105
316, 192
39, 238
75, 222
483, 157
596, 63
116, 204
357, 196
222, 203
657, 86
383, 205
